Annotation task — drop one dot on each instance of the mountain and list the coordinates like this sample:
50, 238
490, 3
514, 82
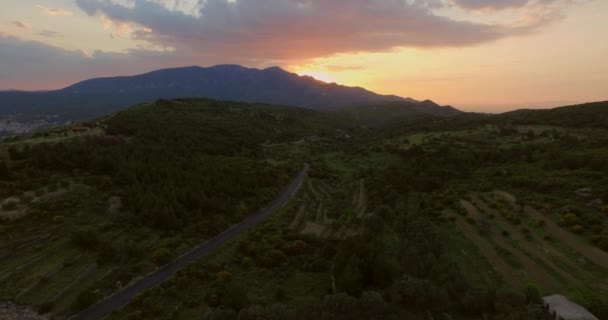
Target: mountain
594, 114
274, 85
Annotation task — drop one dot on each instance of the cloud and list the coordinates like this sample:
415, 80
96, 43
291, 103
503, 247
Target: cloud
54, 11
338, 68
22, 25
490, 4
33, 65
48, 33
302, 29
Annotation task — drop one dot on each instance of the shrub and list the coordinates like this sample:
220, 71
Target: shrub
85, 238
9, 205
45, 307
578, 229
39, 192
569, 219
539, 223
85, 299
58, 219
470, 220
26, 200
161, 256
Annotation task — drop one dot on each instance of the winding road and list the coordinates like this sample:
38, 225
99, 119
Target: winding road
122, 298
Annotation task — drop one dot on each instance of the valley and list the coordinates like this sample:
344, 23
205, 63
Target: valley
460, 215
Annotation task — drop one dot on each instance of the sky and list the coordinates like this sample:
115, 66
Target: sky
476, 55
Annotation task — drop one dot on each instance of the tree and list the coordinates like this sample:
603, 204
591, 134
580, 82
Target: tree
532, 294
350, 279
235, 297
161, 256
530, 135
5, 173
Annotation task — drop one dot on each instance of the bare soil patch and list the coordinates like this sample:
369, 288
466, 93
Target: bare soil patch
313, 228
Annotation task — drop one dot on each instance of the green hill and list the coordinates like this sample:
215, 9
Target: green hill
584, 115
105, 201
437, 216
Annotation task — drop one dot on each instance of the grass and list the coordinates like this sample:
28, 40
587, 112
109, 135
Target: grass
465, 253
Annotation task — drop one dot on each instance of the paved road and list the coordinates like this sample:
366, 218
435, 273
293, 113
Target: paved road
121, 298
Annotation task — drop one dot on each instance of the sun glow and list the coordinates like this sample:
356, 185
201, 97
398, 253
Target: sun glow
319, 75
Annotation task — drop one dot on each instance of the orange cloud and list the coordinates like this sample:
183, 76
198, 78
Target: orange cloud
298, 30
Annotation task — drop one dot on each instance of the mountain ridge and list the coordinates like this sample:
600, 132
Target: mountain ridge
98, 96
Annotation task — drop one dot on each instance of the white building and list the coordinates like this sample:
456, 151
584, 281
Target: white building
560, 308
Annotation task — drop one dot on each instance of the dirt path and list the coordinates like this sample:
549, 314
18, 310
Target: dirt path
530, 267
314, 191
361, 205
506, 196
298, 218
571, 240
313, 228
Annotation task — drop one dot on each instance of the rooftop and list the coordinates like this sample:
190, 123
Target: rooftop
568, 309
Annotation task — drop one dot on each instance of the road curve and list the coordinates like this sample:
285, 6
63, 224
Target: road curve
121, 298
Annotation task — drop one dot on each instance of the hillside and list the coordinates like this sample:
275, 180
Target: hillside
108, 200
585, 115
442, 217
96, 97
385, 114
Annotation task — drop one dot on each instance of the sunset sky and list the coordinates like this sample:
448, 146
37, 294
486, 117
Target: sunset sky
479, 55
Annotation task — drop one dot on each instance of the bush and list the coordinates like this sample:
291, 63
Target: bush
58, 219
569, 219
45, 307
9, 205
26, 200
578, 229
539, 223
85, 299
85, 238
161, 256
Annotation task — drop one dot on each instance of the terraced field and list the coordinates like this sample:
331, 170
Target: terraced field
325, 208
526, 246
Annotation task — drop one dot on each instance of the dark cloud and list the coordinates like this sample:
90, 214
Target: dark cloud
490, 4
299, 29
22, 25
48, 33
34, 65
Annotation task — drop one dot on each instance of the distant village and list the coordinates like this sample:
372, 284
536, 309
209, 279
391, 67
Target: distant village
14, 124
